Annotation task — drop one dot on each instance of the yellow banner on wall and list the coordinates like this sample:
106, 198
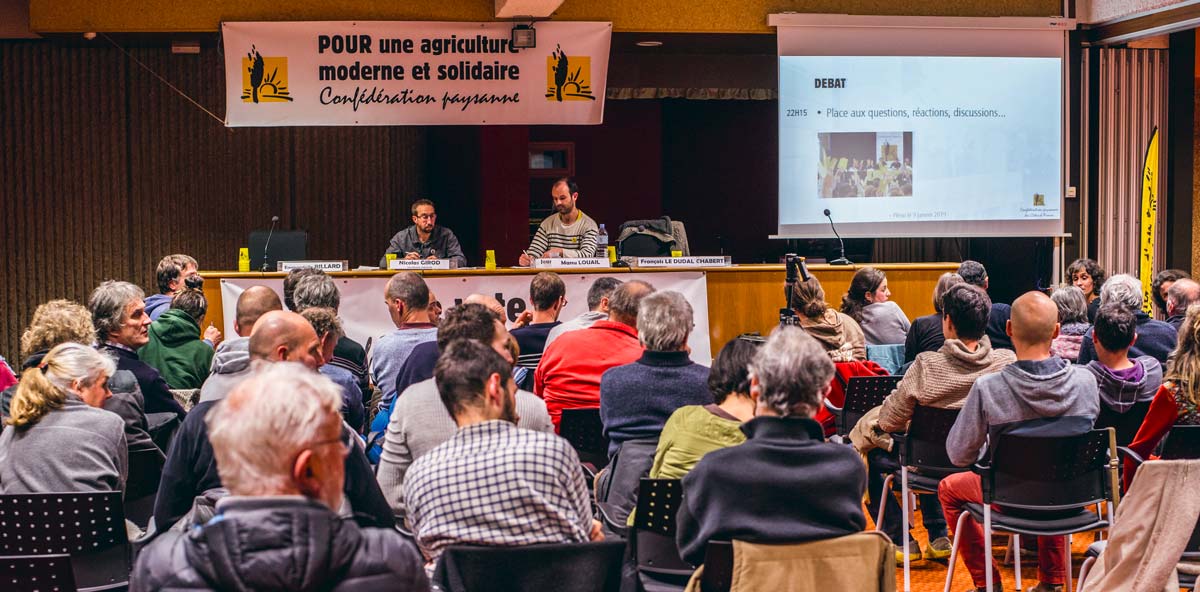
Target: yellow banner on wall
1149, 218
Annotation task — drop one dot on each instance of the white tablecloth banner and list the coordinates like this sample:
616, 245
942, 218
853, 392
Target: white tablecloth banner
365, 316
413, 73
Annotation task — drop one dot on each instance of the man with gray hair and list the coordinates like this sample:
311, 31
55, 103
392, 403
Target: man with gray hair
1154, 338
122, 327
627, 410
598, 298
349, 358
785, 484
1182, 294
407, 298
279, 527
568, 376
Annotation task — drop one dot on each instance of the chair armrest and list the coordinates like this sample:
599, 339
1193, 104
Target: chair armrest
1135, 457
607, 511
832, 408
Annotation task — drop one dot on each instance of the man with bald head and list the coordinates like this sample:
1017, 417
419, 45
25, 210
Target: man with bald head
254, 302
191, 470
1038, 395
1182, 294
232, 359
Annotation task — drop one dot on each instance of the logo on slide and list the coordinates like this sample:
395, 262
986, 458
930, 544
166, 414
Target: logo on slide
264, 80
1039, 199
568, 78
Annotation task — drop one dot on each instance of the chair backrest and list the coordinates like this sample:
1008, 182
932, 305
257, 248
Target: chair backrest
924, 446
718, 567
36, 573
864, 393
1182, 442
1126, 424
584, 430
141, 489
1048, 473
862, 561
653, 534
90, 527
579, 567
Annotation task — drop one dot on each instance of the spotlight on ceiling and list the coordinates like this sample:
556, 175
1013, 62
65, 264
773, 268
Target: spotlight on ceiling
524, 37
649, 43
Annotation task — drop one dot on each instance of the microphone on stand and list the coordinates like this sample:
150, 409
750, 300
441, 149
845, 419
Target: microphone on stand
267, 245
841, 244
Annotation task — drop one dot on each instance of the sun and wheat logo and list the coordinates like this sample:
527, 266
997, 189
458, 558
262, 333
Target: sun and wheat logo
568, 78
264, 80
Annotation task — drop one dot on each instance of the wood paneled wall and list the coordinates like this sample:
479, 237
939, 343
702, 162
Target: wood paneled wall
104, 169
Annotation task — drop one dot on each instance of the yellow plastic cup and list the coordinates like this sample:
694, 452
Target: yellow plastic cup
612, 254
677, 253
388, 258
489, 260
244, 259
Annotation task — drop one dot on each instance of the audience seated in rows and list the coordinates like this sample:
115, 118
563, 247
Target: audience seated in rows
785, 484
119, 316
419, 420
636, 399
1088, 276
1155, 338
839, 334
407, 298
191, 469
1038, 395
568, 376
1126, 385
493, 483
974, 273
1073, 322
171, 275
1183, 293
328, 328
1160, 287
693, 431
280, 449
547, 297
1177, 401
938, 379
318, 290
175, 348
56, 438
882, 321
231, 362
598, 297
925, 334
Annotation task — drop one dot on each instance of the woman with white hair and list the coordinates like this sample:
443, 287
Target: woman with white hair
1072, 322
56, 438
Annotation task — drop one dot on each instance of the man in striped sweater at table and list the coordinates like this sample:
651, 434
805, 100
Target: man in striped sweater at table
568, 233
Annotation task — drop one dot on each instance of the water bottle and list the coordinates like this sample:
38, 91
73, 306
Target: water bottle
602, 242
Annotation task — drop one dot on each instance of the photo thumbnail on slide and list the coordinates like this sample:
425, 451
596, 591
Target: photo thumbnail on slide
865, 164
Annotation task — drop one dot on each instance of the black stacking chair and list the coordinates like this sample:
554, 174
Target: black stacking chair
718, 567
923, 464
652, 538
863, 393
579, 567
583, 429
1042, 487
145, 473
37, 573
90, 527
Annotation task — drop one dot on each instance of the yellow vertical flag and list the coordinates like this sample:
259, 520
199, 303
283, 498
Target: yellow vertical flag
1149, 211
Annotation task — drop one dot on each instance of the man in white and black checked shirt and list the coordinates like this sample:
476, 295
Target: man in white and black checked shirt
493, 483
567, 233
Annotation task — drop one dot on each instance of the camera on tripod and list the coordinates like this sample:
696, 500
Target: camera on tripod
796, 270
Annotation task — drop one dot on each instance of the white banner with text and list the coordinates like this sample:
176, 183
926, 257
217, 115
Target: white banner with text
412, 73
365, 315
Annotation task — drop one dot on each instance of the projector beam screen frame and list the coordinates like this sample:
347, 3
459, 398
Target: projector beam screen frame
823, 40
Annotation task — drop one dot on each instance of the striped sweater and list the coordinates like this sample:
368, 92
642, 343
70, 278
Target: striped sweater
577, 239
